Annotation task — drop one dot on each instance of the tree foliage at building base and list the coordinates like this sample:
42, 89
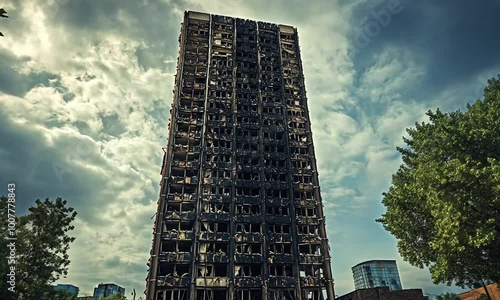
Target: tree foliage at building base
41, 249
444, 202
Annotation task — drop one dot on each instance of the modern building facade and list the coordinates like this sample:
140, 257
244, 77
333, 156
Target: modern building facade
240, 214
376, 273
107, 289
69, 288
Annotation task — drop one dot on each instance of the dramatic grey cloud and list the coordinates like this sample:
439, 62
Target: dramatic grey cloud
85, 93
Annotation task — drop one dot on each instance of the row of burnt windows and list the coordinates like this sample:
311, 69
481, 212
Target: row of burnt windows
225, 191
249, 209
221, 248
244, 228
240, 270
240, 294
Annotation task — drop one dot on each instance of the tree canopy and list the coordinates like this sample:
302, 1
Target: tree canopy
41, 249
443, 206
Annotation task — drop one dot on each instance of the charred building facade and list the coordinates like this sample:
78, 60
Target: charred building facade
240, 213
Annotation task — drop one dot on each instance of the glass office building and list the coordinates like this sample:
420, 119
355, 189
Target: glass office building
107, 289
376, 273
69, 288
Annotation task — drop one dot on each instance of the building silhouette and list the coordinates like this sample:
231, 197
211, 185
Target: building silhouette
68, 288
107, 289
376, 273
240, 214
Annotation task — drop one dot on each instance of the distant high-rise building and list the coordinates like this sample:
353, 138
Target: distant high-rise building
376, 273
69, 288
240, 214
107, 289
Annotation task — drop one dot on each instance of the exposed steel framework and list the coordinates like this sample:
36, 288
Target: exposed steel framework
240, 213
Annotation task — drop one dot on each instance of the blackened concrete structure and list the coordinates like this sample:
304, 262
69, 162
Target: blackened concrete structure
240, 214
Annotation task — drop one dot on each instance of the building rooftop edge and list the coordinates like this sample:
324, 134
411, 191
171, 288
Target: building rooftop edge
108, 283
375, 260
206, 15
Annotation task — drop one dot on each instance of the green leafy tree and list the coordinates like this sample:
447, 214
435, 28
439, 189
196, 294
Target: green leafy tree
58, 295
444, 203
447, 296
42, 249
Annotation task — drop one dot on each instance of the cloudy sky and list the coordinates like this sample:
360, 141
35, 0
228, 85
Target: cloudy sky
86, 85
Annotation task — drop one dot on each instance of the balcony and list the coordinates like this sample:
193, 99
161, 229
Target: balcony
183, 235
248, 281
281, 281
217, 181
304, 157
214, 150
190, 121
180, 197
218, 165
186, 164
215, 217
170, 280
213, 258
248, 200
188, 135
217, 198
277, 201
173, 257
278, 219
310, 259
175, 215
308, 220
215, 236
186, 148
310, 281
308, 187
183, 180
248, 258
306, 203
309, 238
187, 109
218, 136
276, 184
280, 258
248, 218
212, 281
248, 183
279, 238
254, 237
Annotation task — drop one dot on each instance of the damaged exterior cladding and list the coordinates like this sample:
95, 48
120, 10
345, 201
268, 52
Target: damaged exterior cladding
240, 213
